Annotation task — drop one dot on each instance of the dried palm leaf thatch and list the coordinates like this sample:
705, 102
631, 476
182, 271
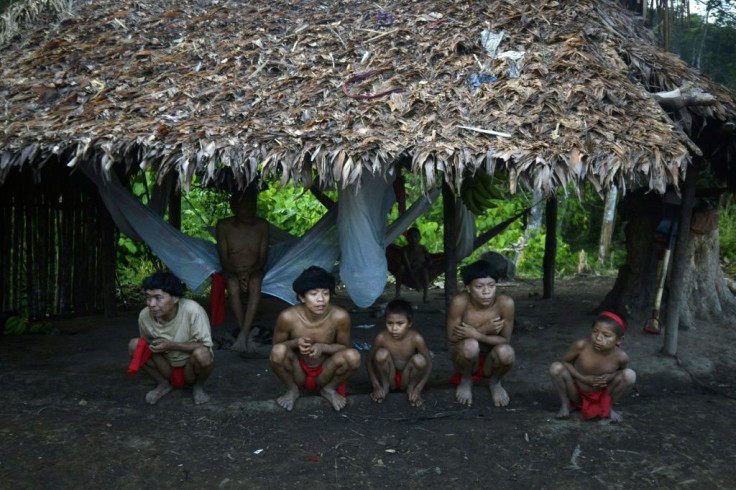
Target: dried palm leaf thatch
550, 92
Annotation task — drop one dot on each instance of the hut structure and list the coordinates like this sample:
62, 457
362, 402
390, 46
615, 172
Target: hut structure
549, 94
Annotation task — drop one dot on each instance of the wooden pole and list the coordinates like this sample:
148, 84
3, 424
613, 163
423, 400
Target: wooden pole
680, 262
550, 248
175, 206
449, 236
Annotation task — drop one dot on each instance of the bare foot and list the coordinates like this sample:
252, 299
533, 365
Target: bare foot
464, 392
564, 412
378, 395
288, 399
415, 399
616, 417
499, 395
158, 392
337, 401
242, 344
199, 395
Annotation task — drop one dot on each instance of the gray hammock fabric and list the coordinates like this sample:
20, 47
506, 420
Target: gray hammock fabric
354, 231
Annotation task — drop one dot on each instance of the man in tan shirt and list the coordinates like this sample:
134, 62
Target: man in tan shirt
175, 344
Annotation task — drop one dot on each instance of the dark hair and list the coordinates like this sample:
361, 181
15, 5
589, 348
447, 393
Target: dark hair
165, 281
249, 194
618, 322
400, 307
478, 270
313, 278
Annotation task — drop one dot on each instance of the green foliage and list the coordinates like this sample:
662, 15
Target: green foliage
15, 325
727, 232
709, 47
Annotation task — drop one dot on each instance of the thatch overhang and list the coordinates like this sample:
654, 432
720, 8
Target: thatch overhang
287, 90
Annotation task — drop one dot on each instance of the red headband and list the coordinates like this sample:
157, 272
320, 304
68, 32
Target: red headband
615, 318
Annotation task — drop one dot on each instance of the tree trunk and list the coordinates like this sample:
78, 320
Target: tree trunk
705, 293
609, 215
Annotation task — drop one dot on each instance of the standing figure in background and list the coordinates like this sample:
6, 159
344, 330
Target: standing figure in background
415, 263
242, 243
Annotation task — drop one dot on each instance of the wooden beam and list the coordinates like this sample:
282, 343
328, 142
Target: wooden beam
550, 248
449, 236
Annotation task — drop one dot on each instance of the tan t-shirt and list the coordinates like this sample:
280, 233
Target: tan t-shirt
190, 324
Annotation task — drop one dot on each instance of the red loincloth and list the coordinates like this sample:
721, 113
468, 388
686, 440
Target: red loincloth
397, 379
311, 382
594, 403
177, 377
217, 300
142, 354
477, 375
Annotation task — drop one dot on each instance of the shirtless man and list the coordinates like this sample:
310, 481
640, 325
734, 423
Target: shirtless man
242, 243
415, 262
399, 358
594, 373
175, 345
311, 342
479, 326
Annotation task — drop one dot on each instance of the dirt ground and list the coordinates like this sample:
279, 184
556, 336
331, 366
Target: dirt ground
72, 418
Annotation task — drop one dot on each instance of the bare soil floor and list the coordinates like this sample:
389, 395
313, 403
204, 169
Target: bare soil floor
72, 418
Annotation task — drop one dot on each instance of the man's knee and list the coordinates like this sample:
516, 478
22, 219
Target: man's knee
628, 377
381, 355
468, 349
202, 356
557, 369
132, 345
418, 362
504, 354
278, 354
350, 358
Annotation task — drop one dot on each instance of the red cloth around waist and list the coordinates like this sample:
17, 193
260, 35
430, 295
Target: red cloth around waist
311, 382
594, 403
477, 375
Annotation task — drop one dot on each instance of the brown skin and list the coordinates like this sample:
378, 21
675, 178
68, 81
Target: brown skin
242, 243
594, 363
164, 307
400, 348
479, 322
319, 333
414, 261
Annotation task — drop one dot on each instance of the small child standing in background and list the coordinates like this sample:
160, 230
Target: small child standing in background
593, 374
399, 359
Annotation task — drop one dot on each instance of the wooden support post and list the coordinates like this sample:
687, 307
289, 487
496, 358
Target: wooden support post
449, 236
680, 263
550, 248
175, 206
108, 261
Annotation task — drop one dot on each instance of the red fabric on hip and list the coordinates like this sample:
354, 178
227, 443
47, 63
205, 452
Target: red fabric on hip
141, 355
217, 300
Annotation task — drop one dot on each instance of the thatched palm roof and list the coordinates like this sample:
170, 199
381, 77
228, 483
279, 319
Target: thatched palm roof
286, 89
